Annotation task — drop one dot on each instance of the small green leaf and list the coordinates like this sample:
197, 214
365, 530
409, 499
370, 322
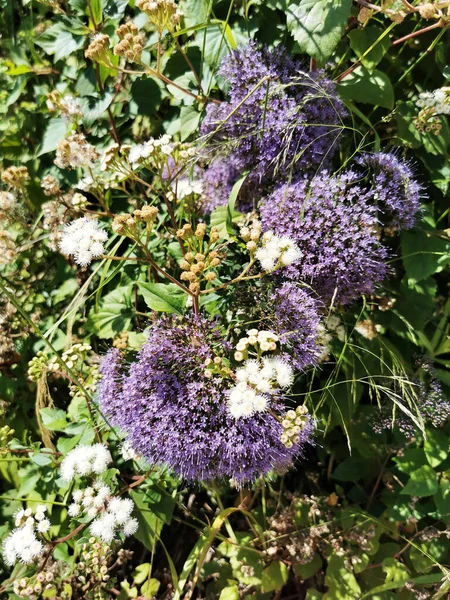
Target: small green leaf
274, 576
423, 482
189, 120
53, 419
318, 25
150, 588
61, 42
141, 573
307, 570
370, 88
164, 297
231, 592
341, 582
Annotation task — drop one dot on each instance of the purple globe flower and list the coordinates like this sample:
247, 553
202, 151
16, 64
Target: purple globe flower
334, 225
176, 416
296, 321
394, 187
277, 120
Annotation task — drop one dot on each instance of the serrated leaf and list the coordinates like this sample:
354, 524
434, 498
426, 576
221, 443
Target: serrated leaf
115, 313
369, 88
195, 11
58, 40
164, 297
318, 25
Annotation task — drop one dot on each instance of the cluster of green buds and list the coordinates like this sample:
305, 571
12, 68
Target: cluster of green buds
121, 340
133, 226
6, 433
219, 366
202, 255
98, 50
131, 42
15, 177
293, 423
251, 234
8, 248
92, 569
164, 14
255, 343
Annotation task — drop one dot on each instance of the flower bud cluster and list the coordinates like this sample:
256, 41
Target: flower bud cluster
6, 433
276, 252
294, 422
84, 240
68, 106
7, 205
85, 460
131, 42
202, 257
121, 340
15, 177
432, 105
331, 327
50, 186
164, 14
92, 568
255, 341
22, 543
75, 152
367, 328
129, 225
258, 380
8, 249
33, 587
251, 234
98, 50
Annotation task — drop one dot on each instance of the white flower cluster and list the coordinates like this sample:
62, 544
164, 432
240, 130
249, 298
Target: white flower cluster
258, 380
141, 152
85, 460
183, 187
90, 500
68, 105
22, 543
277, 252
7, 201
84, 240
438, 100
128, 452
116, 516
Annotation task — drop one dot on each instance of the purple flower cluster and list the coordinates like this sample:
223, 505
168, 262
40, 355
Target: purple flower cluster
332, 221
176, 416
296, 321
394, 187
277, 119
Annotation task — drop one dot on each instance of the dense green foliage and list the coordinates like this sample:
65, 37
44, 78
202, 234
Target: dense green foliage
365, 513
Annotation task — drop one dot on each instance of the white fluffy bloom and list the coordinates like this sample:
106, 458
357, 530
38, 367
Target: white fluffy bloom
77, 495
277, 252
43, 526
7, 201
84, 460
85, 184
438, 100
183, 187
128, 452
74, 510
21, 544
84, 240
117, 516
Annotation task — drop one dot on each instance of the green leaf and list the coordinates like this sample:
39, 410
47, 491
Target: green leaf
164, 297
370, 88
423, 482
436, 446
114, 9
114, 314
231, 592
307, 570
195, 12
274, 576
56, 130
94, 109
58, 40
189, 120
53, 419
341, 582
442, 498
96, 11
363, 39
423, 254
318, 25
150, 588
141, 573
149, 524
147, 94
